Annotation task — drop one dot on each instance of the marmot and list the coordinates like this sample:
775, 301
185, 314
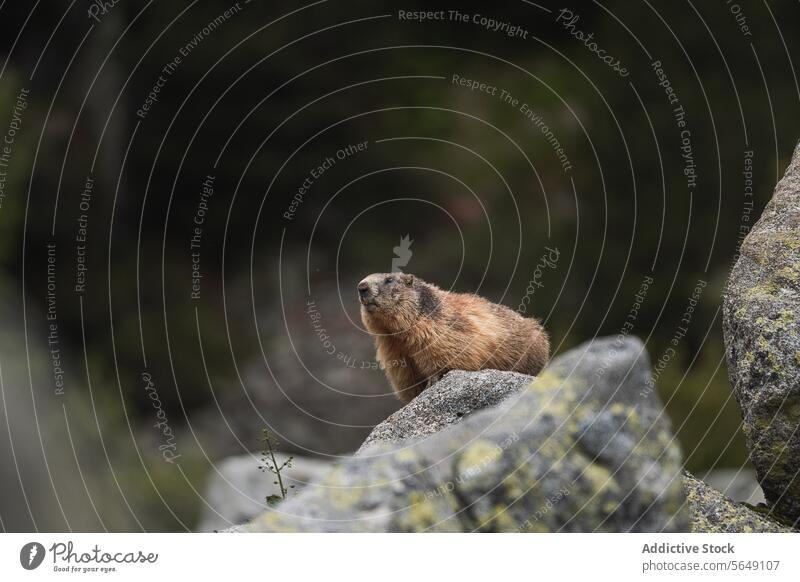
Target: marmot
422, 332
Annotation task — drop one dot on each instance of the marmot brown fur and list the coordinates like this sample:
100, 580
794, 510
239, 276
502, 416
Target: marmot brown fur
422, 332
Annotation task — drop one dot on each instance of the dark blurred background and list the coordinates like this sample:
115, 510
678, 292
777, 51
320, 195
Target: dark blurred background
576, 192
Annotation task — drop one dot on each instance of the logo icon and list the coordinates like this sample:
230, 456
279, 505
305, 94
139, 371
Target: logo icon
402, 254
31, 555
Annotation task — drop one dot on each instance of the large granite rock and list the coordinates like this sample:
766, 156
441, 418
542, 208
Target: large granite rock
456, 395
238, 487
585, 447
712, 512
762, 337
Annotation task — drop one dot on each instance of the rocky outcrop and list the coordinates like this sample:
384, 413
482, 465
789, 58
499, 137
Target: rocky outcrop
456, 395
238, 487
762, 337
712, 512
585, 447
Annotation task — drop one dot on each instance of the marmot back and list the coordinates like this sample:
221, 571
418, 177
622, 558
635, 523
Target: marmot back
422, 332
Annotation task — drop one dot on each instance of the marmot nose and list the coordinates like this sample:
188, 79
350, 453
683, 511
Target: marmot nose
363, 288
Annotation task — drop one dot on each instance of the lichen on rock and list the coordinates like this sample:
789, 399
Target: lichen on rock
761, 325
712, 512
584, 447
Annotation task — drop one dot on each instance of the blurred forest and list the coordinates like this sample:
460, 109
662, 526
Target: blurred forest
187, 197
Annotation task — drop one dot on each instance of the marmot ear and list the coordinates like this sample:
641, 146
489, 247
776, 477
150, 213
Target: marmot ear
409, 279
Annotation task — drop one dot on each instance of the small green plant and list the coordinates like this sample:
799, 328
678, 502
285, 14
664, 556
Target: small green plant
271, 465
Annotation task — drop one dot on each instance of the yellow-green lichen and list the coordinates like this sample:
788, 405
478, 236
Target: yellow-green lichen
421, 513
599, 478
712, 512
477, 456
789, 274
548, 380
498, 519
405, 455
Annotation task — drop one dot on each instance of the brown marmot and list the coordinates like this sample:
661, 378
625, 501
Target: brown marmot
422, 332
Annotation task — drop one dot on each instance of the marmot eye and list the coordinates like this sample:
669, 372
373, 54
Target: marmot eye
388, 280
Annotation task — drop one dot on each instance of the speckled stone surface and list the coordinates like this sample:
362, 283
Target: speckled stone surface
762, 338
585, 447
446, 403
712, 512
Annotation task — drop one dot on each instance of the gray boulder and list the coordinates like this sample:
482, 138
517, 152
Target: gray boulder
456, 395
762, 338
585, 447
237, 488
712, 512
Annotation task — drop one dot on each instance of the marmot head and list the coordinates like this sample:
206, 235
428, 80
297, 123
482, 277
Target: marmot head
395, 298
